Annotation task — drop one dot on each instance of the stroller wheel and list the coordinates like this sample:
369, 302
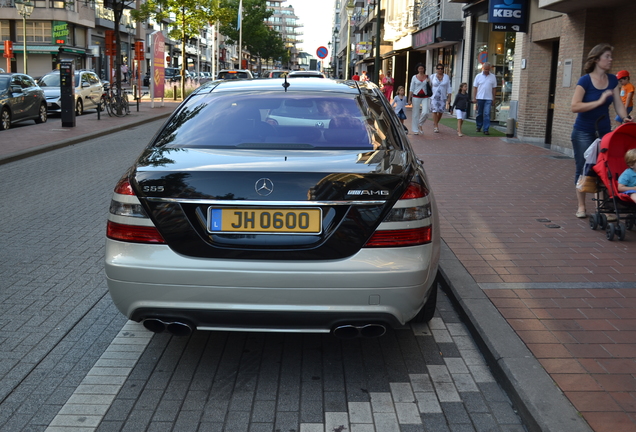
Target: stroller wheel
610, 231
602, 221
621, 230
594, 221
629, 223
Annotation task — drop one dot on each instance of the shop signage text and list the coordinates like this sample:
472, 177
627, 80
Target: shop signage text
60, 32
508, 15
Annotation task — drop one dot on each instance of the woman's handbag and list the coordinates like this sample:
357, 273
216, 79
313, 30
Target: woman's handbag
429, 89
586, 184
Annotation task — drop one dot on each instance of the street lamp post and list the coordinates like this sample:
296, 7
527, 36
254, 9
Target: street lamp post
335, 52
349, 7
25, 8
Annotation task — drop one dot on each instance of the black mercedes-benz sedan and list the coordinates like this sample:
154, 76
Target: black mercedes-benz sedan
275, 205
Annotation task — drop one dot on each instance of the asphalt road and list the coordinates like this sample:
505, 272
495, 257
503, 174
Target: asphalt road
59, 329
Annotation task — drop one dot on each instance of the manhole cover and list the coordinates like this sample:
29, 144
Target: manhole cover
543, 220
553, 226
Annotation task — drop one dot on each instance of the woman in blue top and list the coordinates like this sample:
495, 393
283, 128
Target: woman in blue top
593, 95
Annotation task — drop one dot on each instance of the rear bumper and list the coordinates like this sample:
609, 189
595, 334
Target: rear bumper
376, 285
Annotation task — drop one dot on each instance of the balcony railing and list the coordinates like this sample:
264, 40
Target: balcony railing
430, 12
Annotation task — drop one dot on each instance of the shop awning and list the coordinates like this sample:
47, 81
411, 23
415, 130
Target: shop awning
33, 49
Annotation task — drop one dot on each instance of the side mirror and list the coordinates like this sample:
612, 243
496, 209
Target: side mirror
85, 84
16, 89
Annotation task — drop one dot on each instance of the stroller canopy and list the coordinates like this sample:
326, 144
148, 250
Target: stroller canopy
610, 163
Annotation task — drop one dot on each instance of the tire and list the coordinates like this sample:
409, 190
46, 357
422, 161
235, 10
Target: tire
603, 221
594, 221
79, 108
610, 231
428, 310
621, 230
629, 223
5, 119
42, 115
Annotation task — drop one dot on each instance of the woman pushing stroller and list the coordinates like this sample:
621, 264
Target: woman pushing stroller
593, 95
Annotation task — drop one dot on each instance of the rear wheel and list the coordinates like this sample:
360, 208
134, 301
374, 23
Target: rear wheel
79, 108
610, 231
603, 221
5, 119
42, 116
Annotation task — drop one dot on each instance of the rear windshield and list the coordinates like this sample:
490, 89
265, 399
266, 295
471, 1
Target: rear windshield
232, 75
53, 80
279, 120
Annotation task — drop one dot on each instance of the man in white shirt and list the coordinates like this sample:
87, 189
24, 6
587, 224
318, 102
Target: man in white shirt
483, 94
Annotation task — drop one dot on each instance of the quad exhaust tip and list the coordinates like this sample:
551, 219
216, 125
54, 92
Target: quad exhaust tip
351, 331
176, 328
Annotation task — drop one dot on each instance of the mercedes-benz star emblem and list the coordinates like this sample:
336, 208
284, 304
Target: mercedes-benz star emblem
264, 186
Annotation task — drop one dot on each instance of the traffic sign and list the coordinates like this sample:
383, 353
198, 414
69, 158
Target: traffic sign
322, 52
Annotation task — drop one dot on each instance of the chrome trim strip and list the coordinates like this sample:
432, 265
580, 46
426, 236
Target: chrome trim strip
240, 203
265, 329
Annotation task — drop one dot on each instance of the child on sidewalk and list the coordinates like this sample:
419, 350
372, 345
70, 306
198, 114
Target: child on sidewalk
398, 104
627, 180
627, 92
461, 106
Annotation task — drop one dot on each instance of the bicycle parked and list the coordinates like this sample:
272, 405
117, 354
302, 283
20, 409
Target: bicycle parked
115, 102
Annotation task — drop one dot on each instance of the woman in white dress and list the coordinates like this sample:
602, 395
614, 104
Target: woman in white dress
418, 98
440, 101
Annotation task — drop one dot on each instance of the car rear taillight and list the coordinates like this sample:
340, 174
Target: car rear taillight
128, 220
409, 221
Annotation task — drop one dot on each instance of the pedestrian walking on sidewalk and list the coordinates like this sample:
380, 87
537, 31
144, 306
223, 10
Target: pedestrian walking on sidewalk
399, 103
626, 92
593, 95
484, 87
460, 106
387, 86
418, 98
440, 101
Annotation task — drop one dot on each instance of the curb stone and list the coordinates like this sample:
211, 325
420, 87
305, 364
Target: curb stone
541, 404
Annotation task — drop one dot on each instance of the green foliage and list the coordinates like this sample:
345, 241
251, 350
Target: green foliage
191, 15
258, 38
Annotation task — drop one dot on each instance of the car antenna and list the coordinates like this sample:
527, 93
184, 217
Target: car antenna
286, 84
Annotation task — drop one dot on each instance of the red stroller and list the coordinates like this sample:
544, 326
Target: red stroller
610, 164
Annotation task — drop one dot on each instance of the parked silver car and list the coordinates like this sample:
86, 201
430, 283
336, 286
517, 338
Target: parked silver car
88, 91
261, 206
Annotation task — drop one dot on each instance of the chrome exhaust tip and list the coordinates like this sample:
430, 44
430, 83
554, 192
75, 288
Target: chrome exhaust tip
346, 332
176, 328
179, 329
352, 331
372, 330
154, 325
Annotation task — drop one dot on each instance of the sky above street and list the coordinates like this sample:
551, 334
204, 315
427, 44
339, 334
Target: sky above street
316, 16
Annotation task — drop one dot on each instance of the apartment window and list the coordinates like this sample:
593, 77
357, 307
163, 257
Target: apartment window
4, 30
55, 4
36, 31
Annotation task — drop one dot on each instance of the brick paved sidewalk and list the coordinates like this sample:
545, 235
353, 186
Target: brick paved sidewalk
507, 213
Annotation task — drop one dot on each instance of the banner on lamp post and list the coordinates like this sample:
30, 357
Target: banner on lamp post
158, 74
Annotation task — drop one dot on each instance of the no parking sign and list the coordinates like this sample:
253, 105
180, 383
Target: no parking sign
322, 52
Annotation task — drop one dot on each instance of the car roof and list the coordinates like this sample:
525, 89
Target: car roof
306, 73
276, 84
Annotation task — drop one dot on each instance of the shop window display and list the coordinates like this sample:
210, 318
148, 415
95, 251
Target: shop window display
498, 48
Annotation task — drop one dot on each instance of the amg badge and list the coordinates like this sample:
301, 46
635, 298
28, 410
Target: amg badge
368, 192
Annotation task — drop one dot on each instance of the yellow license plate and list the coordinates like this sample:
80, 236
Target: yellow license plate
265, 220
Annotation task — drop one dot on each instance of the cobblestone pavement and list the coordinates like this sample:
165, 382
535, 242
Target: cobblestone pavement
59, 324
